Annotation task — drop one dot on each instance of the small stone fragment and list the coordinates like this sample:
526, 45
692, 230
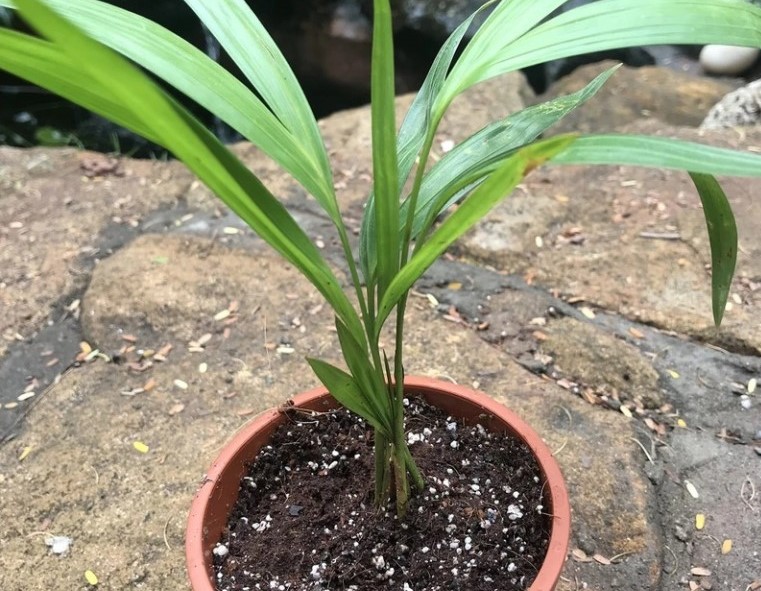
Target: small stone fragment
691, 489
176, 409
181, 385
699, 571
58, 544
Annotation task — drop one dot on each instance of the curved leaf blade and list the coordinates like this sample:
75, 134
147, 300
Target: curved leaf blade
174, 128
43, 64
193, 73
609, 24
416, 124
498, 186
722, 234
659, 152
371, 386
253, 50
482, 152
385, 165
344, 388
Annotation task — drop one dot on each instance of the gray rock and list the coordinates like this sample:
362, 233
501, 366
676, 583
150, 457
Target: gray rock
739, 108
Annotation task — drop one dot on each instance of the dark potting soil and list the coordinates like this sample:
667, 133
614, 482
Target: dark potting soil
305, 519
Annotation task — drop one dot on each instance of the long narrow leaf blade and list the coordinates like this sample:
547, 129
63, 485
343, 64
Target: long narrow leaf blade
371, 387
660, 152
193, 73
415, 126
385, 171
345, 389
179, 132
609, 24
247, 42
41, 63
498, 186
478, 155
722, 234
509, 21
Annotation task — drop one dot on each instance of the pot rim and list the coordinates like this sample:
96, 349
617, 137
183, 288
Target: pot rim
552, 565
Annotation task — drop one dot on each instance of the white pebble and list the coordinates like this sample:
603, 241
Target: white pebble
727, 60
58, 544
220, 550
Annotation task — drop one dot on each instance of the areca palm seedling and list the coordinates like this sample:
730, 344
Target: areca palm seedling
88, 52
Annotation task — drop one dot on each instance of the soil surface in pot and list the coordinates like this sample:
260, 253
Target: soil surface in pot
305, 517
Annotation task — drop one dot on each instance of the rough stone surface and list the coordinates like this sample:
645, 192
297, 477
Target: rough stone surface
581, 352
619, 263
740, 107
631, 94
634, 241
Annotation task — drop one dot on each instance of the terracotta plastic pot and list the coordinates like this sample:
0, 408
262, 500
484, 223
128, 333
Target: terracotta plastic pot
214, 501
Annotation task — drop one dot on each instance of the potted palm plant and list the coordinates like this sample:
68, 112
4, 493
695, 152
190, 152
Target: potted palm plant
84, 52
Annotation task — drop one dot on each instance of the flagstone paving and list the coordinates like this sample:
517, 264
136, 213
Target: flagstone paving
582, 302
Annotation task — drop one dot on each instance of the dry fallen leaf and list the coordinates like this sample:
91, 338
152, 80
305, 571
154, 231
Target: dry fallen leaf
141, 447
176, 409
25, 453
681, 423
626, 411
539, 335
601, 559
580, 556
221, 315
673, 373
726, 546
636, 333
587, 312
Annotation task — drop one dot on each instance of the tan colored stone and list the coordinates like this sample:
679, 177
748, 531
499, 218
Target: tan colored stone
633, 94
126, 510
64, 215
601, 360
627, 261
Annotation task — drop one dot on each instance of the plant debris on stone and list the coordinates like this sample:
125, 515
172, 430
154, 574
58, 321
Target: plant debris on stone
305, 520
